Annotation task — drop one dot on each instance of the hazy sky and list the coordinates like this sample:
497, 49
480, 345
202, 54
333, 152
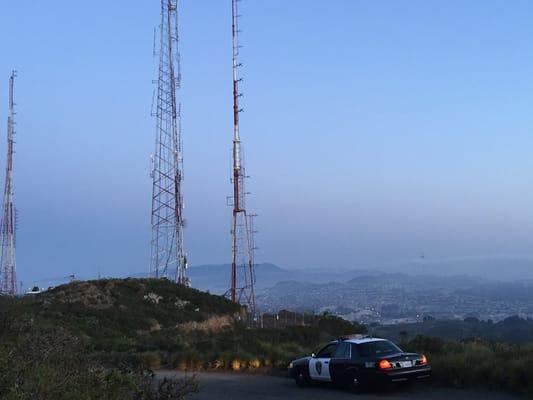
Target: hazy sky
373, 130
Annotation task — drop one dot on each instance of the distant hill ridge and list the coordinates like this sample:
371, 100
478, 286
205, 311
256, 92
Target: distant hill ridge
215, 277
347, 292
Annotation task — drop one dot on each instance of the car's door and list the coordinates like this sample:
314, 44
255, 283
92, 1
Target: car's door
340, 361
319, 364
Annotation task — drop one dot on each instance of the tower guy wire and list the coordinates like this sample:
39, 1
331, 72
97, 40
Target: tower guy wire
167, 248
8, 282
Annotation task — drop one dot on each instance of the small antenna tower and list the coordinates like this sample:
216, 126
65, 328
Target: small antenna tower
7, 257
167, 249
242, 280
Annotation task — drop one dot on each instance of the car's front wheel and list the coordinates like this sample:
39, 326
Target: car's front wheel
302, 380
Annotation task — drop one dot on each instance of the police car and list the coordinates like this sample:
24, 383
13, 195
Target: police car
359, 363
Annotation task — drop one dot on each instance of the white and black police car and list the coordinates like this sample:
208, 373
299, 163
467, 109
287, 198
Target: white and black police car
360, 363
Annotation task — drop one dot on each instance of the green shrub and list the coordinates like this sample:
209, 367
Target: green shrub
496, 366
53, 364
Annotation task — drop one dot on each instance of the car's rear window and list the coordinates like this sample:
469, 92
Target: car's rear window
377, 348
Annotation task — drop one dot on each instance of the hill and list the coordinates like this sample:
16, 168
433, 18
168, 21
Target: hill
117, 314
125, 318
91, 339
504, 268
155, 322
374, 296
510, 330
399, 297
215, 277
100, 339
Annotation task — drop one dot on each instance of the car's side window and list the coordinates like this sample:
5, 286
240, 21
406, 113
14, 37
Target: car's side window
342, 351
353, 351
327, 351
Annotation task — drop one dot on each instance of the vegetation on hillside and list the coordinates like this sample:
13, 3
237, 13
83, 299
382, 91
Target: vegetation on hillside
242, 347
39, 361
89, 340
511, 330
478, 363
154, 324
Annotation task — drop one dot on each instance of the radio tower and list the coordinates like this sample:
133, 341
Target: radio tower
242, 281
7, 257
167, 250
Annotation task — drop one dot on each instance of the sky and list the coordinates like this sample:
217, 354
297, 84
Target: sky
374, 131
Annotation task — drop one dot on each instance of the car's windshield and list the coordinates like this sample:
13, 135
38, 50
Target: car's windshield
377, 348
327, 351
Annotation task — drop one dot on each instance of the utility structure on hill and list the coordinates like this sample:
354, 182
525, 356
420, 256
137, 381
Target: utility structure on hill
242, 280
167, 248
7, 257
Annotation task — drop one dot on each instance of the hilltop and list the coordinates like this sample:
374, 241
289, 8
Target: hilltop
135, 315
155, 322
97, 339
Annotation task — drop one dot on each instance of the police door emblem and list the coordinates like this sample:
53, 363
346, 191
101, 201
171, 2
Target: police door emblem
318, 367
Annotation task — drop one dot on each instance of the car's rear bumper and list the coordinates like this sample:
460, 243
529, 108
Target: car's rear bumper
403, 375
417, 374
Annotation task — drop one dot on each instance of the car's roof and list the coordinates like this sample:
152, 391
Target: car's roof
360, 340
365, 340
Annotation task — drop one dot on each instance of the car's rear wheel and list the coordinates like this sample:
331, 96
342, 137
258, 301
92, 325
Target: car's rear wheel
302, 380
357, 384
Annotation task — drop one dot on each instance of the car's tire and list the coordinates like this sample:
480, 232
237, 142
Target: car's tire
357, 385
302, 380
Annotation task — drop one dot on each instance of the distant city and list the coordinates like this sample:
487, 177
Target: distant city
406, 294
380, 297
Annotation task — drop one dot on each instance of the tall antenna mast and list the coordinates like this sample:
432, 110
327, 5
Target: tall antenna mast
242, 280
167, 250
7, 256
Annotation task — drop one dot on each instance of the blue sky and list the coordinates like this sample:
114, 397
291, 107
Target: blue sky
373, 130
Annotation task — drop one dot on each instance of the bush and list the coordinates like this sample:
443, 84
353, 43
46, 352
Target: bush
53, 364
496, 366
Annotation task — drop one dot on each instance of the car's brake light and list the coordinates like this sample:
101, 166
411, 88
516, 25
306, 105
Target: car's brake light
384, 364
424, 360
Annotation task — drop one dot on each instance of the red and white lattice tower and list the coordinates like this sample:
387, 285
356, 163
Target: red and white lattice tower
242, 280
167, 249
7, 256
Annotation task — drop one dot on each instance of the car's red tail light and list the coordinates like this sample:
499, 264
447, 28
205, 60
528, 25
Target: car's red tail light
384, 364
424, 360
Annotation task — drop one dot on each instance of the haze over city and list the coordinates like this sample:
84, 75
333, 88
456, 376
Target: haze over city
374, 132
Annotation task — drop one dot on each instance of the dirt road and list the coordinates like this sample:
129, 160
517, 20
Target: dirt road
227, 386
